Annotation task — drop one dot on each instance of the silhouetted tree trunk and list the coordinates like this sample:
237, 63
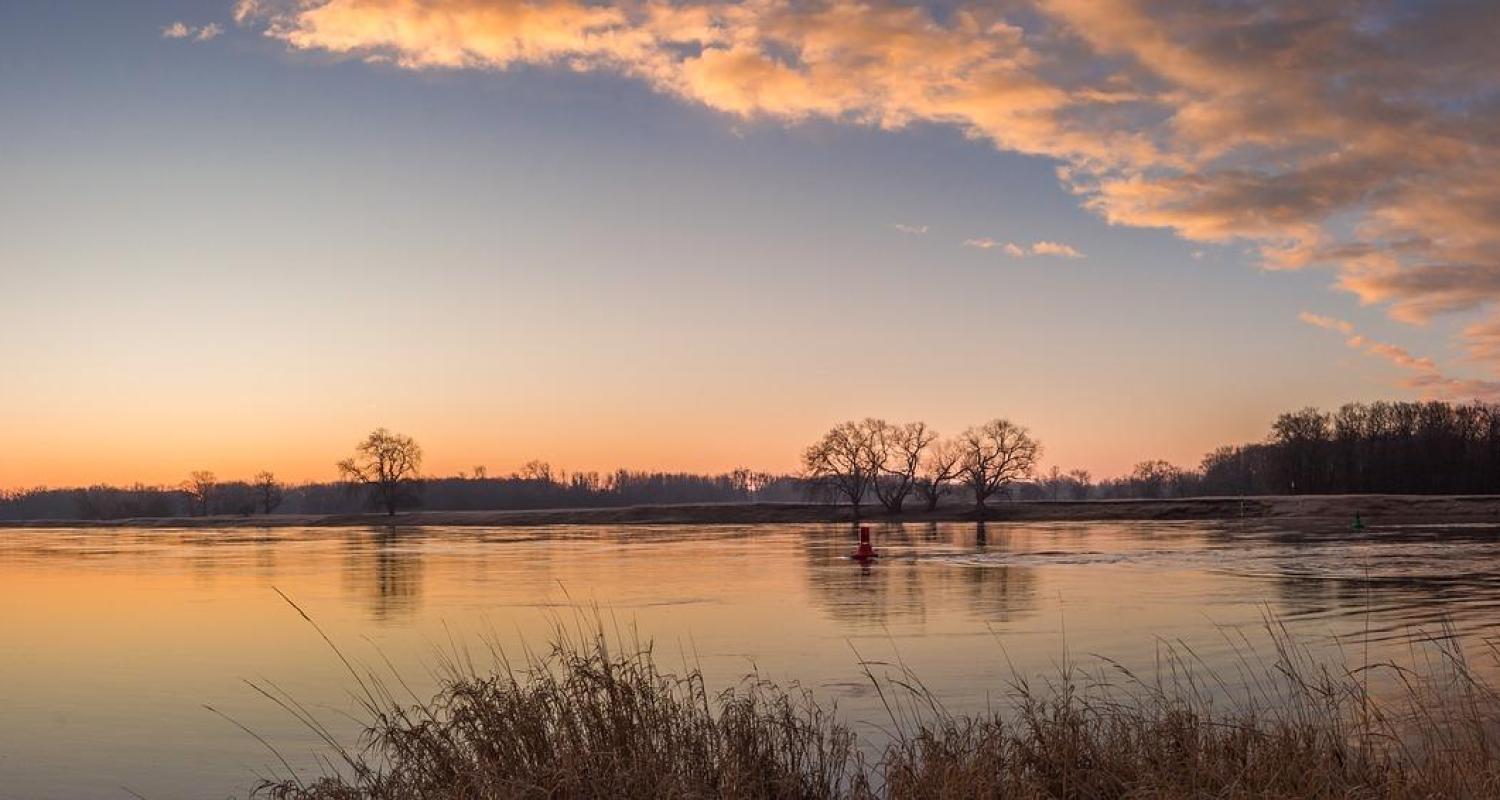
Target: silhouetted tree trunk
995, 454
388, 463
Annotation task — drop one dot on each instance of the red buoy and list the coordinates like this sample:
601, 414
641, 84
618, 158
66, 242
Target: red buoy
866, 551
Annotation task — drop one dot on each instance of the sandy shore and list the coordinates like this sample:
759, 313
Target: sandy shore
1316, 510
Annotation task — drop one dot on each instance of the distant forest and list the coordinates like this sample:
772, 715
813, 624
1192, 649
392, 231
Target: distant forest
201, 495
1382, 447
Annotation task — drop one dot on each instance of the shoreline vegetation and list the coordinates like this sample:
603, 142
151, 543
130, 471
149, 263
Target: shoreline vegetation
1429, 448
1315, 511
596, 715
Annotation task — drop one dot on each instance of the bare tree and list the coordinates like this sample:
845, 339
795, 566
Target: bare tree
1053, 482
845, 460
1072, 484
994, 455
1082, 482
1153, 479
941, 465
898, 450
481, 472
268, 492
199, 488
536, 470
388, 463
585, 482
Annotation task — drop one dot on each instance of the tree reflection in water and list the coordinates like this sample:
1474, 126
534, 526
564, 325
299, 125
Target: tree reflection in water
902, 587
385, 570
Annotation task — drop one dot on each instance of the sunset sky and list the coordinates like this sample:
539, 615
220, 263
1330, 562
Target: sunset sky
694, 235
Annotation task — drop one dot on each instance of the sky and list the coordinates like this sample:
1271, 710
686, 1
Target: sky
693, 236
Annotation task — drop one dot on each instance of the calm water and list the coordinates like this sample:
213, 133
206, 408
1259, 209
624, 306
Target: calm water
112, 643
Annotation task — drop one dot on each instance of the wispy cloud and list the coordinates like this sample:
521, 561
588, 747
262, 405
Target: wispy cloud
1327, 323
1360, 135
182, 30
1395, 354
1022, 251
1433, 384
247, 10
1399, 356
1425, 373
1054, 249
913, 230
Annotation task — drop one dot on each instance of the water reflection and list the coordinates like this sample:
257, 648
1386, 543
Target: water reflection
384, 568
178, 617
1396, 577
900, 586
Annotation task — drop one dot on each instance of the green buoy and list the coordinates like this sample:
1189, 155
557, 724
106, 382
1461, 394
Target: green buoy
1359, 524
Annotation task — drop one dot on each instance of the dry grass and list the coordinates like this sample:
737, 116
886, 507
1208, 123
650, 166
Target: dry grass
590, 719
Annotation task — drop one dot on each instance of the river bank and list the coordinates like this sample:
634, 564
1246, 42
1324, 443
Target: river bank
1307, 510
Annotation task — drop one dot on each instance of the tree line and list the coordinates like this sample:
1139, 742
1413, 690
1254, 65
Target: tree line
1429, 447
1382, 447
384, 474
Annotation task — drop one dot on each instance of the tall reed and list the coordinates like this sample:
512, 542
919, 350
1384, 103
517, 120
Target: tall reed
596, 716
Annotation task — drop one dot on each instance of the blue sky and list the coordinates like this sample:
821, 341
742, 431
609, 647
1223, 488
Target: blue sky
233, 253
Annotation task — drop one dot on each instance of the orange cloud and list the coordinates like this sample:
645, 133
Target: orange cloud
1397, 355
1326, 134
1055, 249
1022, 251
1483, 340
1442, 386
1327, 323
1427, 378
182, 30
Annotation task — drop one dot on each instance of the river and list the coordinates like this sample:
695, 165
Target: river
114, 642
